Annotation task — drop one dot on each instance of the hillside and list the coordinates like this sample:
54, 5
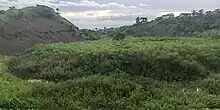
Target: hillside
186, 24
23, 28
10, 86
136, 73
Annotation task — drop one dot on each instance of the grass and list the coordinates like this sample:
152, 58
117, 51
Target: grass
10, 86
164, 59
84, 79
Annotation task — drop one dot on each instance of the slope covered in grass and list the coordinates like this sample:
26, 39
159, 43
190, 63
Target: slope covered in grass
186, 24
22, 28
119, 92
137, 73
161, 58
10, 86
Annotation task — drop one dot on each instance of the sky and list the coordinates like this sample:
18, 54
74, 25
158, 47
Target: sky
113, 13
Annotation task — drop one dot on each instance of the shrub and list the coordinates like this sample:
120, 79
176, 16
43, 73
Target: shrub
111, 90
118, 91
213, 33
2, 12
119, 36
211, 85
171, 60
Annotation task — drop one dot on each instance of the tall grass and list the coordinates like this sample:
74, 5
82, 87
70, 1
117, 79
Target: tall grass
159, 58
133, 74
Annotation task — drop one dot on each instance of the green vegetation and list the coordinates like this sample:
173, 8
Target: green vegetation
122, 73
186, 24
10, 86
213, 33
119, 36
33, 25
91, 34
135, 73
160, 58
30, 13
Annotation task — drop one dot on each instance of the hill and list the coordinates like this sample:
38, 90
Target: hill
23, 28
186, 24
135, 73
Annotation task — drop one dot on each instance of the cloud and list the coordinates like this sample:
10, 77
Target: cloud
87, 3
60, 3
4, 4
79, 12
144, 5
117, 18
86, 15
100, 13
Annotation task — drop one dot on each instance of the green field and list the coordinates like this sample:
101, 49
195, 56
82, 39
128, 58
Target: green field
132, 74
10, 86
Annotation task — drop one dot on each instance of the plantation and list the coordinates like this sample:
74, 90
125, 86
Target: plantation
131, 74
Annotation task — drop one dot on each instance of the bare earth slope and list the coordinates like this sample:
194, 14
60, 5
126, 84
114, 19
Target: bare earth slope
23, 28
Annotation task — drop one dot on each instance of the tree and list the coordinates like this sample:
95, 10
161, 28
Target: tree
201, 12
11, 7
194, 12
208, 12
119, 36
216, 24
217, 10
57, 9
2, 11
144, 20
138, 20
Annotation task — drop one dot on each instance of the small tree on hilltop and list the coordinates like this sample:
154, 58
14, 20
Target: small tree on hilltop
138, 20
11, 7
119, 36
57, 9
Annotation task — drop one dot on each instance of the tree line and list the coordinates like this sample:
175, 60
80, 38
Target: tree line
186, 24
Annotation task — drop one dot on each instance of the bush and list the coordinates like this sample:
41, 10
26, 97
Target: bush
171, 60
2, 12
10, 86
211, 85
119, 36
118, 91
214, 33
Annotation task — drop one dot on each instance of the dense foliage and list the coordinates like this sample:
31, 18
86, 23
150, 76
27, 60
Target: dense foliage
119, 36
213, 33
90, 34
115, 92
186, 24
118, 75
161, 58
10, 86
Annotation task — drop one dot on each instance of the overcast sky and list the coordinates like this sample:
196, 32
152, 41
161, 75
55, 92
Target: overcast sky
113, 13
